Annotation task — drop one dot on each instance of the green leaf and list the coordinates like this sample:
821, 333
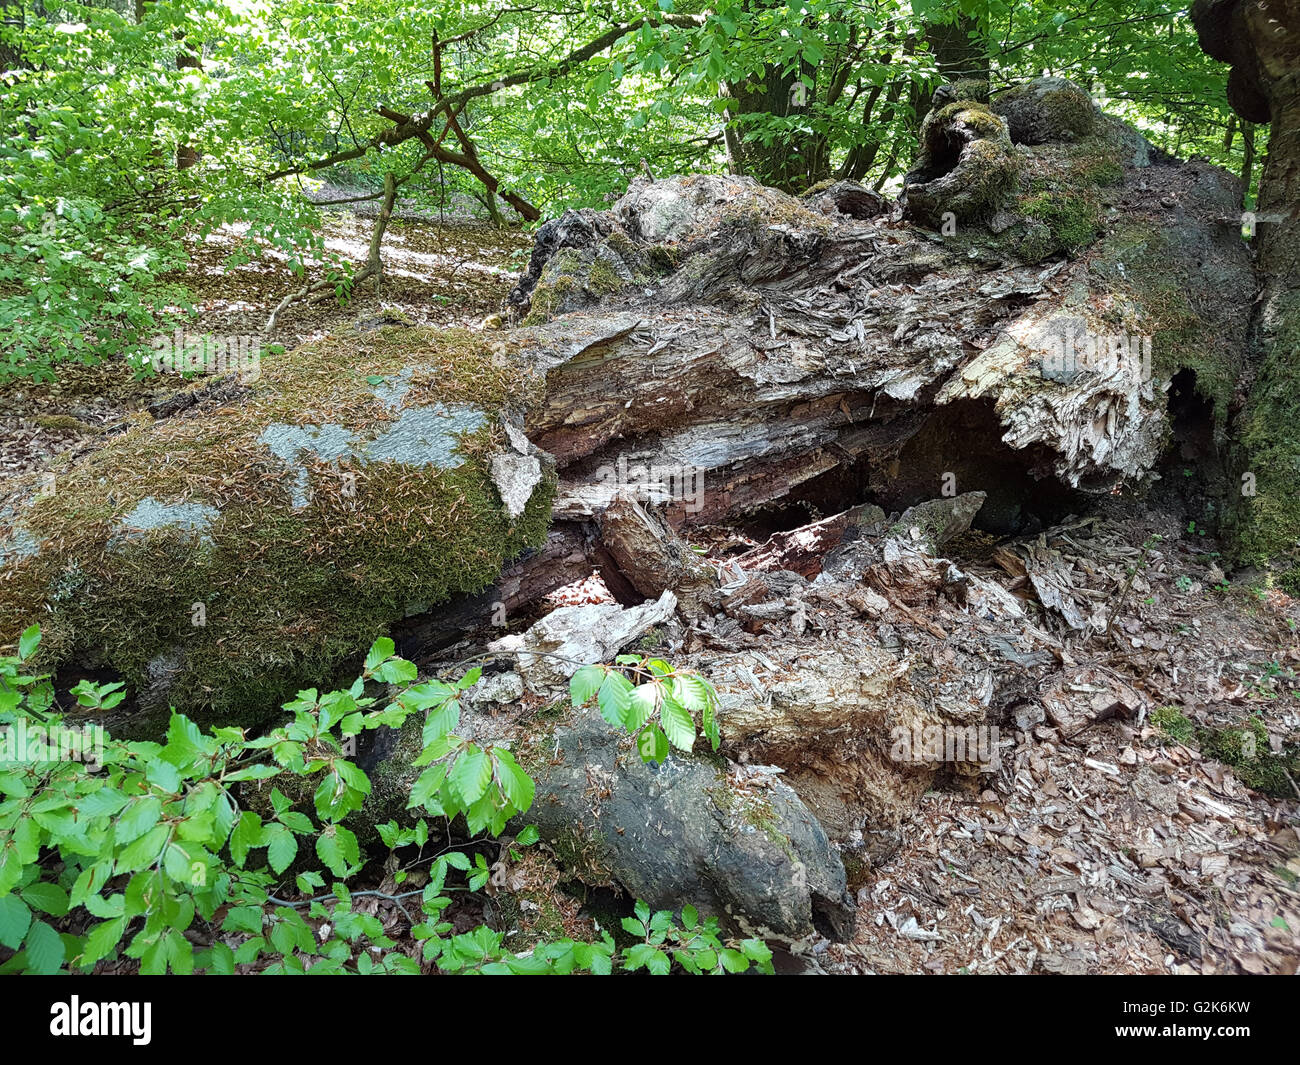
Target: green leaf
427, 786
337, 848
243, 919
176, 862
184, 741
282, 848
101, 941
677, 724
528, 836
585, 683
642, 703
397, 671
44, 949
99, 803
15, 919
163, 775
759, 952
48, 898
221, 960
260, 771
380, 651
613, 699
144, 851
139, 817
297, 822
247, 834
29, 641
643, 955
442, 719
709, 722
516, 785
470, 775
652, 744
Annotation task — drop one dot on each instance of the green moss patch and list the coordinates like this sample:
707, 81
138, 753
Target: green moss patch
191, 557
1171, 721
1072, 220
572, 280
1245, 748
1268, 523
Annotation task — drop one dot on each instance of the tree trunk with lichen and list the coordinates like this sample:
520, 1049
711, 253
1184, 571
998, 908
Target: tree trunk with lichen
1262, 42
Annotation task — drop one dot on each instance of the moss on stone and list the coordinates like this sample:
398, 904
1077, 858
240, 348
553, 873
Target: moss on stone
236, 614
602, 278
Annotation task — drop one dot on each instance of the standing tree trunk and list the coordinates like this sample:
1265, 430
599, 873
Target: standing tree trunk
13, 18
960, 50
1261, 39
1248, 161
186, 155
785, 163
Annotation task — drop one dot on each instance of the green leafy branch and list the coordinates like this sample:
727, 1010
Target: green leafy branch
652, 700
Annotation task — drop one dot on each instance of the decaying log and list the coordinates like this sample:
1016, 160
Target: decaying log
803, 550
729, 352
653, 557
744, 352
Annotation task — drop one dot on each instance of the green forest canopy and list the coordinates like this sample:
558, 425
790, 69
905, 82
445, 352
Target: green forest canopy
133, 130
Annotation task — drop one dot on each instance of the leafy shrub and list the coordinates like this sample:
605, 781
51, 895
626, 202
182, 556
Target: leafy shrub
659, 709
125, 851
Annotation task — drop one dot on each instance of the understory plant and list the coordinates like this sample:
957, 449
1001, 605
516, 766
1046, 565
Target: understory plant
113, 849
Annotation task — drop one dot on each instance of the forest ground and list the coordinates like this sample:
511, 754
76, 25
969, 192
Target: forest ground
1104, 847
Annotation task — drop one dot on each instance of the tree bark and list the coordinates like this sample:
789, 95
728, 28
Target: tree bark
1261, 41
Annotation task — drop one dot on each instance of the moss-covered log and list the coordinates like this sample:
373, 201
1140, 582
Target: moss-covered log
227, 555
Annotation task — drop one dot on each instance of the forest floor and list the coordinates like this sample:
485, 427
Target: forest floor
1102, 845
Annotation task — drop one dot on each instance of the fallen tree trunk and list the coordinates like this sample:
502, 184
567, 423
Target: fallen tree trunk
741, 356
740, 352
708, 352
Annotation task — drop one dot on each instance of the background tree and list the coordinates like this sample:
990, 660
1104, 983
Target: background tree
119, 151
